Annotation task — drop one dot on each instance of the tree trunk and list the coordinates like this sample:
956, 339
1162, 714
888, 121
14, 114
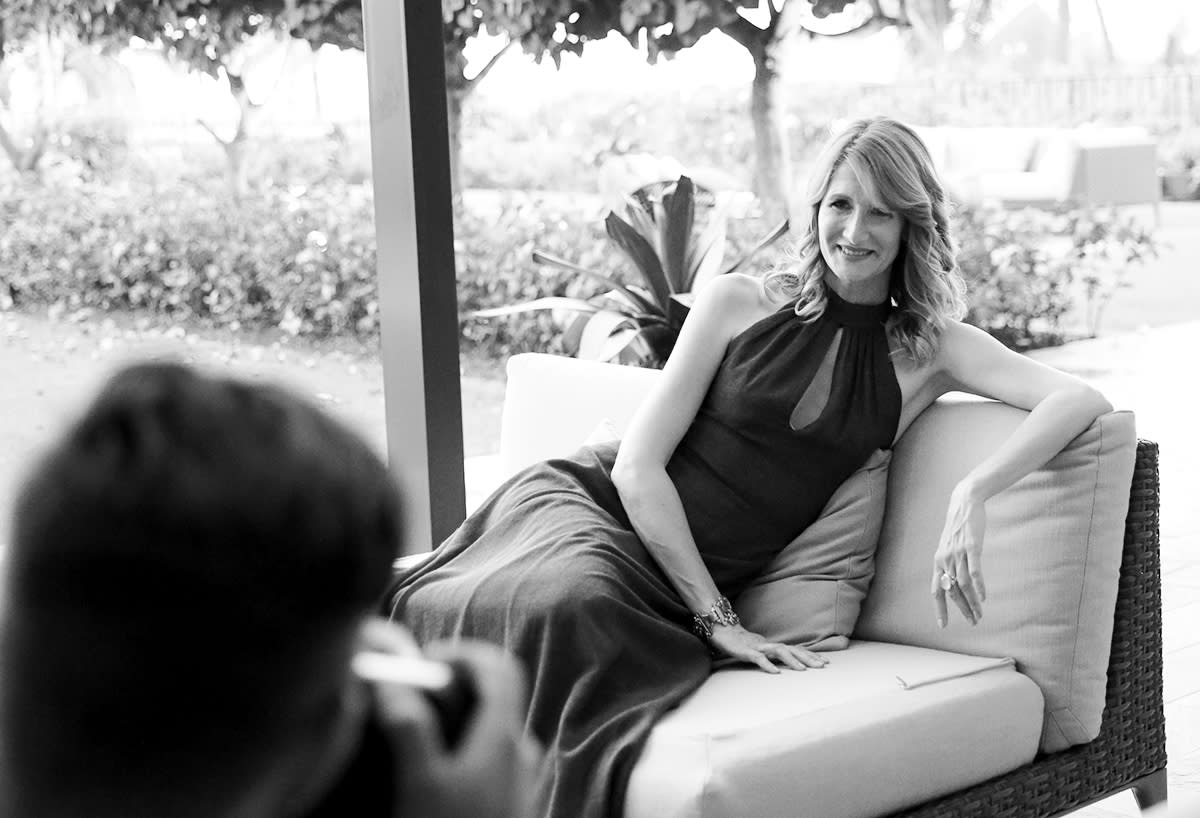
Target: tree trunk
928, 20
771, 165
978, 15
24, 161
236, 149
454, 115
1108, 45
1064, 31
458, 87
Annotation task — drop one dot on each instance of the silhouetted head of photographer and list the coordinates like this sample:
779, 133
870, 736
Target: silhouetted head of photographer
192, 562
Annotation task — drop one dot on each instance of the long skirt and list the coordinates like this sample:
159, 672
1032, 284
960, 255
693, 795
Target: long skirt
550, 568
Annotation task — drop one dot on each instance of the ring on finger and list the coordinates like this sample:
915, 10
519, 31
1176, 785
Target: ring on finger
947, 581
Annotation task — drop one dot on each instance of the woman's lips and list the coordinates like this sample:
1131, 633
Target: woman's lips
853, 252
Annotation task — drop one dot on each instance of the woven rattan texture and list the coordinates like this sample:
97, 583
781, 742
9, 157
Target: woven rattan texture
1133, 740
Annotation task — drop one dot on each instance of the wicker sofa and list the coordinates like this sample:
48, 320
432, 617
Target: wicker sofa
749, 744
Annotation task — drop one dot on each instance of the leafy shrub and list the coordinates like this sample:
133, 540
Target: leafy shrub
302, 259
674, 237
1025, 269
294, 258
495, 247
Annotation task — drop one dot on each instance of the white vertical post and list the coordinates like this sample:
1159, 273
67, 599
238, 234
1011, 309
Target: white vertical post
414, 231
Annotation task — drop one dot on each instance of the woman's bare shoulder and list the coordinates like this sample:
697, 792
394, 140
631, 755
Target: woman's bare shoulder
738, 298
962, 344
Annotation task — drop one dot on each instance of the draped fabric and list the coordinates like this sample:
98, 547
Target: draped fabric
550, 568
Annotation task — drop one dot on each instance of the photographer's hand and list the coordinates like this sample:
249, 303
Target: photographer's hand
492, 769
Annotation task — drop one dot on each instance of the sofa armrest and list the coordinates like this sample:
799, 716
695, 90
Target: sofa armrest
1133, 742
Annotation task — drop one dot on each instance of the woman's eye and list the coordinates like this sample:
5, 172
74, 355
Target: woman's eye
882, 214
840, 204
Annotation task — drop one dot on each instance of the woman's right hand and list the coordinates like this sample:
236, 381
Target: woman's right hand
736, 642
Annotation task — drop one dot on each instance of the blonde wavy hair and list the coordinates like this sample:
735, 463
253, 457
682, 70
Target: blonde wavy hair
927, 289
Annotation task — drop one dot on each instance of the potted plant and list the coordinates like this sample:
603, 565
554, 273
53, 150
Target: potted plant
658, 232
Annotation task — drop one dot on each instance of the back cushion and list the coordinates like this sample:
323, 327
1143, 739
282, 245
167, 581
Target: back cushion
812, 591
1051, 555
552, 404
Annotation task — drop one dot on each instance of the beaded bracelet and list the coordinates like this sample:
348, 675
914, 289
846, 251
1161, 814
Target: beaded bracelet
721, 613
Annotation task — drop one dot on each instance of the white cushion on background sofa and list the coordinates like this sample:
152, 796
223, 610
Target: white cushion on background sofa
1090, 165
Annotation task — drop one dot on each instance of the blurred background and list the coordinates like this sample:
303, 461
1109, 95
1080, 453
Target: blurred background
150, 149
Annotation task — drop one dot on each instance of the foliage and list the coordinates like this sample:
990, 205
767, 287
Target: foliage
494, 251
22, 19
198, 255
671, 26
1179, 162
278, 260
1025, 269
639, 323
21, 23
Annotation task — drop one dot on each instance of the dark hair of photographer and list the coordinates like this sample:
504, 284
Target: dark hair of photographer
190, 566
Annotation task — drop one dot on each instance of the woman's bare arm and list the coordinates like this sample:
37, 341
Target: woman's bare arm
1060, 406
721, 310
724, 308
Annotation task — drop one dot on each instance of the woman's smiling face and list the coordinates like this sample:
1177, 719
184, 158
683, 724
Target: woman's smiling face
859, 238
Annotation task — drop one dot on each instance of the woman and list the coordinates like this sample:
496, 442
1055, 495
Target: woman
595, 569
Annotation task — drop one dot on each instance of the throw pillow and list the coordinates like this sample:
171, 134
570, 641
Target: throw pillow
812, 591
1051, 555
605, 432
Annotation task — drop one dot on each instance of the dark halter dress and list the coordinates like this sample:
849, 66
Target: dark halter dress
550, 568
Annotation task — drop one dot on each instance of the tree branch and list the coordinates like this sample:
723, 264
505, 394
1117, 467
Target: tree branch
215, 135
744, 33
775, 15
873, 23
483, 72
41, 139
10, 148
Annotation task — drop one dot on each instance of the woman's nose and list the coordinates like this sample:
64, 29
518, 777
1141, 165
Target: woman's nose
853, 227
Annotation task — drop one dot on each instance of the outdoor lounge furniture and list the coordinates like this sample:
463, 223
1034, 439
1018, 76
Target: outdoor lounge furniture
1086, 166
898, 724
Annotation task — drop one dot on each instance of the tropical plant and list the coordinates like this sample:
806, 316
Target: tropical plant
672, 251
1026, 270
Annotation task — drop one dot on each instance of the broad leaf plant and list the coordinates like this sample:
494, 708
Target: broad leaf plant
673, 253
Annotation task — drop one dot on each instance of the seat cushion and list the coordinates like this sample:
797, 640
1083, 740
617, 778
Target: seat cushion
882, 727
811, 593
1051, 555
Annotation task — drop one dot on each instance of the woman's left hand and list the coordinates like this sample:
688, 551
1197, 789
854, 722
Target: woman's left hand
958, 563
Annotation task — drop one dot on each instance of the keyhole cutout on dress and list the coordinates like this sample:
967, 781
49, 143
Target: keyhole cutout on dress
816, 395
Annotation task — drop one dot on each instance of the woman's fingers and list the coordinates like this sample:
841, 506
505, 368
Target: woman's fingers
809, 658
784, 655
975, 573
793, 657
957, 594
939, 598
967, 584
738, 643
759, 658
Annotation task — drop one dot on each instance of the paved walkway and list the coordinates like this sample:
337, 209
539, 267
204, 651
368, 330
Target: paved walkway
1154, 373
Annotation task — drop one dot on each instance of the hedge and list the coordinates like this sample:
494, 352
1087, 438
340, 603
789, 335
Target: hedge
302, 258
